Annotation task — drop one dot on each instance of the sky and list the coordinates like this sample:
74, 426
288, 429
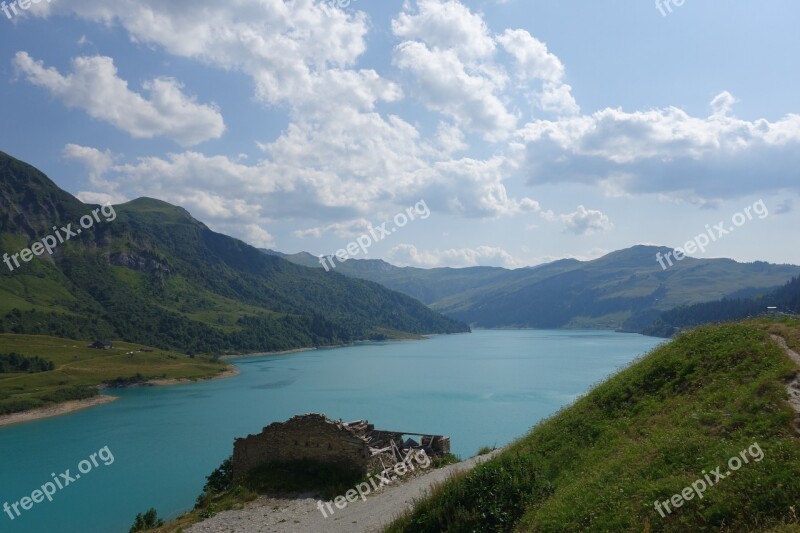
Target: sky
513, 132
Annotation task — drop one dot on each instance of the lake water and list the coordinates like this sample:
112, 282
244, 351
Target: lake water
482, 389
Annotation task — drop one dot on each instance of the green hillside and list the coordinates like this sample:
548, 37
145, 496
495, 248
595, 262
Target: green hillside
626, 289
155, 275
785, 300
642, 436
79, 370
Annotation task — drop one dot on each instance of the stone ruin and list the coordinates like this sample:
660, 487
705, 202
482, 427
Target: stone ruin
355, 445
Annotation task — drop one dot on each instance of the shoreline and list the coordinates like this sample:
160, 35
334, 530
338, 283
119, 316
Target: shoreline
167, 382
72, 406
354, 343
58, 409
265, 354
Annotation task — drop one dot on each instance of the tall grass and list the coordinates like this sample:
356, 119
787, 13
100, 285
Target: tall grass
641, 436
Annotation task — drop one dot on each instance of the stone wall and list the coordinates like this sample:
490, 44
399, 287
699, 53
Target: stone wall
311, 436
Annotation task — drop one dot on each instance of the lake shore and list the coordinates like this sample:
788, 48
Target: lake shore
55, 410
71, 406
167, 382
263, 354
354, 343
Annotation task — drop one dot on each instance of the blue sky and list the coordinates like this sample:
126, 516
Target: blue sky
532, 130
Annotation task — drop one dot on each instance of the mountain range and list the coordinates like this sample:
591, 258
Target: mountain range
153, 274
627, 289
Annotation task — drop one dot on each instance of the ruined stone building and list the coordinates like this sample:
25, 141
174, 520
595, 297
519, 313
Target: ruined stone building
355, 445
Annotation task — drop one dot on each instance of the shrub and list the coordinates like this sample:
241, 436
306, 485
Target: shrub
148, 520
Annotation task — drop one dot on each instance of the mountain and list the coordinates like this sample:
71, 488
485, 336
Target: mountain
626, 289
785, 300
152, 274
426, 285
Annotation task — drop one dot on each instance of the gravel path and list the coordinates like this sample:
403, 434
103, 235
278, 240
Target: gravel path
302, 515
794, 386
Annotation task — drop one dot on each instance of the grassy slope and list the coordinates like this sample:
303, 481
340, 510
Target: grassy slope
79, 366
644, 435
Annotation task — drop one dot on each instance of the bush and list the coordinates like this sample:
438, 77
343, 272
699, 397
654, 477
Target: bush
149, 520
80, 392
220, 479
17, 405
14, 362
439, 461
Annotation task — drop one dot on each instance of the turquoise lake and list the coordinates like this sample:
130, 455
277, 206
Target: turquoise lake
482, 389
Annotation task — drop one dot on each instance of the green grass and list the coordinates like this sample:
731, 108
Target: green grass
641, 436
79, 369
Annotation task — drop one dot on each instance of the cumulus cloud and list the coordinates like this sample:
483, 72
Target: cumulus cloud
97, 163
450, 87
448, 50
338, 158
351, 228
664, 151
445, 25
474, 188
284, 47
586, 221
409, 255
535, 62
533, 59
258, 236
95, 87
451, 55
345, 155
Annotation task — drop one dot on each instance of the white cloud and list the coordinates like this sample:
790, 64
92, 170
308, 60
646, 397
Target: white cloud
351, 228
95, 161
98, 164
558, 100
339, 157
664, 151
283, 46
474, 188
445, 25
259, 237
409, 255
449, 51
532, 57
95, 87
535, 63
450, 139
586, 221
346, 155
722, 104
446, 85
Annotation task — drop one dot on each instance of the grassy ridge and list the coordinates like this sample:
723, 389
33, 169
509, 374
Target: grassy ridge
79, 370
641, 436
